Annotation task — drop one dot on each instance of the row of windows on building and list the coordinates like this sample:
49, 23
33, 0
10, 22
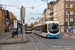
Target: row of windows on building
51, 14
71, 19
69, 5
51, 9
59, 2
70, 0
61, 20
61, 7
60, 14
69, 12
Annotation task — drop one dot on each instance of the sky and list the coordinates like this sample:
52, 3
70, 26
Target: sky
15, 5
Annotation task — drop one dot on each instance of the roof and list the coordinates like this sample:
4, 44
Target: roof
46, 22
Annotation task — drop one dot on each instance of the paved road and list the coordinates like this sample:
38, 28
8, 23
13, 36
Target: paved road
36, 42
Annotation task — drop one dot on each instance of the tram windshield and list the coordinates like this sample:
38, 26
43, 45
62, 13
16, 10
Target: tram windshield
53, 28
28, 28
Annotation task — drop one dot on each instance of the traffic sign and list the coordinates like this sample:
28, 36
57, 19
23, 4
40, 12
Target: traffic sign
69, 34
69, 30
6, 18
32, 18
15, 23
7, 22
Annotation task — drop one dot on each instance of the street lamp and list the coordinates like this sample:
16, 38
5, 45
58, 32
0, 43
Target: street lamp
68, 20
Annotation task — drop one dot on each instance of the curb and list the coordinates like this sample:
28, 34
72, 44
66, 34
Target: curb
68, 37
14, 42
71, 36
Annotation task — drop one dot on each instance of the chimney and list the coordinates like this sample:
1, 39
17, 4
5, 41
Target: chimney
48, 4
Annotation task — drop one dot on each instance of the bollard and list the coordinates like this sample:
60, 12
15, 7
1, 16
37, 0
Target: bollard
17, 33
13, 34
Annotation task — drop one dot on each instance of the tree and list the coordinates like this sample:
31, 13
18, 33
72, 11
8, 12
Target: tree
32, 25
36, 22
25, 24
12, 17
73, 8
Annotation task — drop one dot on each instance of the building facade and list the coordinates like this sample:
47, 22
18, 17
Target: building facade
50, 11
44, 15
61, 10
4, 20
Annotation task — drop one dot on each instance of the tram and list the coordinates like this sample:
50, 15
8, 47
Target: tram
47, 29
28, 29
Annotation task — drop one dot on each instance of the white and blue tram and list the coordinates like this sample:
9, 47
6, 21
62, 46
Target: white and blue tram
47, 29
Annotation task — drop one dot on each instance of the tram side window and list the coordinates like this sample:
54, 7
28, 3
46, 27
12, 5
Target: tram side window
38, 28
44, 28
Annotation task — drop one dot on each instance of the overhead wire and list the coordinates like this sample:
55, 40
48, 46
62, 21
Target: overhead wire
33, 5
39, 5
36, 7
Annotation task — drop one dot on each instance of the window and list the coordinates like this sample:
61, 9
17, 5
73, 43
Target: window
44, 28
67, 6
74, 13
66, 19
69, 27
67, 0
38, 28
67, 12
71, 19
70, 5
51, 13
71, 0
74, 19
71, 12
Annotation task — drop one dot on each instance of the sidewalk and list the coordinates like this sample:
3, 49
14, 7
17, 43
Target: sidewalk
5, 36
71, 37
15, 39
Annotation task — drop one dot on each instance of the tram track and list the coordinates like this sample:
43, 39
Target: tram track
41, 42
33, 42
37, 43
52, 39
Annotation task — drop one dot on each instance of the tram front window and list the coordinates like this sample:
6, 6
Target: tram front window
53, 28
28, 29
